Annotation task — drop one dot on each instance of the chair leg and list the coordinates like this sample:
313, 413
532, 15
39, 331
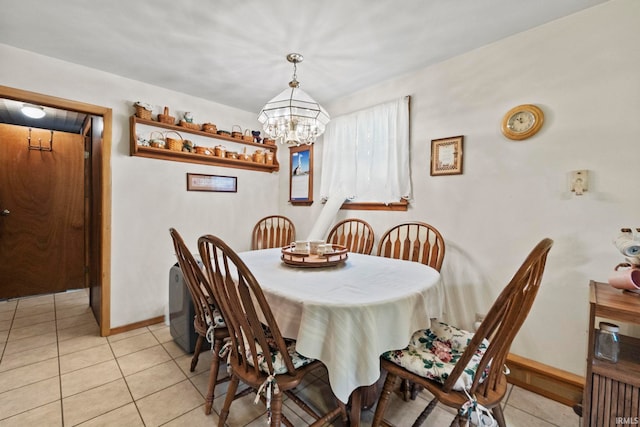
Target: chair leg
415, 390
196, 352
409, 390
231, 392
498, 415
383, 401
405, 390
213, 376
425, 413
343, 411
456, 421
276, 410
286, 422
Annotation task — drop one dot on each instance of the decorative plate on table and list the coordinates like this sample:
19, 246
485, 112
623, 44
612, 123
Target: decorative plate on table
303, 259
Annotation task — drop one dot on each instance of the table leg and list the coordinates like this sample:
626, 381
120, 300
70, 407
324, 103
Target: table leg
362, 398
369, 395
356, 407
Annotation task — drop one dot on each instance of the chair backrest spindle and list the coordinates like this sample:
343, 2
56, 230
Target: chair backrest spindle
413, 241
355, 234
273, 231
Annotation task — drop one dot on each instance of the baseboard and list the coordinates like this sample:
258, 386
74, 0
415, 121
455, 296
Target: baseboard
132, 326
550, 382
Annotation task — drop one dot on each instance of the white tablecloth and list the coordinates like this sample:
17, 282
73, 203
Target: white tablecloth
347, 315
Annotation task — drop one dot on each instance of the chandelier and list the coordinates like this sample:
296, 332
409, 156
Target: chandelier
293, 117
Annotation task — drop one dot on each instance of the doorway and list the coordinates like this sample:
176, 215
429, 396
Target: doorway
96, 208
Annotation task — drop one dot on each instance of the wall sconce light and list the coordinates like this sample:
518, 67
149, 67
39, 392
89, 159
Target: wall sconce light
33, 111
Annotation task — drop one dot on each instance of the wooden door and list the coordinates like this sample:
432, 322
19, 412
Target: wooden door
42, 236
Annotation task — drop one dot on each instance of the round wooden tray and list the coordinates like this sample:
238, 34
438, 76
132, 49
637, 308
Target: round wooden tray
296, 259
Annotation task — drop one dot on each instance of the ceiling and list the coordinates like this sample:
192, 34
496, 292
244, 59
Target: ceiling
233, 52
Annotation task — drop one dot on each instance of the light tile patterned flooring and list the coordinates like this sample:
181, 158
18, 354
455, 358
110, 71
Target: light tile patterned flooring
55, 370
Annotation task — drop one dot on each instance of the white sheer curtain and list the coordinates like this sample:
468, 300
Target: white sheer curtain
366, 154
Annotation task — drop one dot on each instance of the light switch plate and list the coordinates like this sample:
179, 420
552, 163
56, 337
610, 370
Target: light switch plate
579, 181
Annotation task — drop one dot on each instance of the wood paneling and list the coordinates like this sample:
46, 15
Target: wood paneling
550, 382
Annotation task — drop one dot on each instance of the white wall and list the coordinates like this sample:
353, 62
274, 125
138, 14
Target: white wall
149, 196
583, 72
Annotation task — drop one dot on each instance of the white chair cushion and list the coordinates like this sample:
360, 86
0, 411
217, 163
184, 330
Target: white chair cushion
433, 353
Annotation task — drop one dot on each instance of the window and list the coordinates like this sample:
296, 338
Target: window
366, 155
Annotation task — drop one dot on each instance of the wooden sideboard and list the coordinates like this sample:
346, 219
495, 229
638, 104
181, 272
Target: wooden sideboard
612, 391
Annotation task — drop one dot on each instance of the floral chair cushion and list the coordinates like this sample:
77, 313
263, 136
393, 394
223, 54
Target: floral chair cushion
279, 366
212, 324
433, 353
218, 320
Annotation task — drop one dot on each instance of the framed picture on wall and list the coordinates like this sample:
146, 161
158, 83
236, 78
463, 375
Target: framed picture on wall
215, 183
446, 156
301, 175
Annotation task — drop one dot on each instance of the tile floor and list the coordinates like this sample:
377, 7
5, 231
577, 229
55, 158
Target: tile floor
55, 370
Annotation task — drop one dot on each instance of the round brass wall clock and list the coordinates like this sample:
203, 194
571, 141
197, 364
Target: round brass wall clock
522, 121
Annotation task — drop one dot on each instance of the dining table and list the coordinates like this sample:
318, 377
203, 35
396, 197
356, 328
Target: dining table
346, 315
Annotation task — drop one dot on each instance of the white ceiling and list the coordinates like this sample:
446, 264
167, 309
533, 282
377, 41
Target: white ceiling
233, 52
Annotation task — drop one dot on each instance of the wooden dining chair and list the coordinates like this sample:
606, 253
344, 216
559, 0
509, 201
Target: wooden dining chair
274, 231
462, 369
207, 322
258, 354
356, 234
418, 242
413, 241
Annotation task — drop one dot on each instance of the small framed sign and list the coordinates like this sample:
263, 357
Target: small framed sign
446, 156
301, 175
218, 183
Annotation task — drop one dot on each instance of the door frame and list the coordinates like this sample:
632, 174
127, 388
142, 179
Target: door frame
101, 219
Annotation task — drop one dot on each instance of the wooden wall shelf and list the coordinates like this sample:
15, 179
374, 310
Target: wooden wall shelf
232, 144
